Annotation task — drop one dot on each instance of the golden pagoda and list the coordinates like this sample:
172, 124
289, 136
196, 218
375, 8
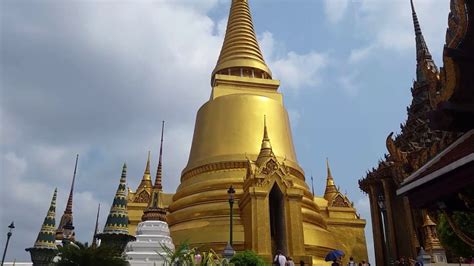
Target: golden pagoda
274, 209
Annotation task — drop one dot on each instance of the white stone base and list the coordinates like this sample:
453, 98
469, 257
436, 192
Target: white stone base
146, 249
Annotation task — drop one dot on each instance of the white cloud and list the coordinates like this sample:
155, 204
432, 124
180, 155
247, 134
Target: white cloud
335, 9
388, 31
349, 83
389, 26
299, 70
360, 54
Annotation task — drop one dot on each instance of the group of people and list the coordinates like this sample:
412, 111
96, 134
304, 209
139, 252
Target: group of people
350, 263
282, 260
411, 262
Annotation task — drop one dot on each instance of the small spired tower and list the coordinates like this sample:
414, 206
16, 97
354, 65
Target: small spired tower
65, 231
115, 232
432, 243
153, 232
45, 249
332, 194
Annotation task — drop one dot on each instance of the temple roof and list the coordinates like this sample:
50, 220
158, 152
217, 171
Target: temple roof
240, 48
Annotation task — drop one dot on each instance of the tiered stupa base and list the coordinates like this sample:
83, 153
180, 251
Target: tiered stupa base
148, 247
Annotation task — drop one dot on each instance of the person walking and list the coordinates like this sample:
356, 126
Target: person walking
351, 262
290, 262
279, 259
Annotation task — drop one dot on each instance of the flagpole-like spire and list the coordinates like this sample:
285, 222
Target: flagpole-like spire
240, 50
158, 178
71, 192
312, 185
67, 217
94, 237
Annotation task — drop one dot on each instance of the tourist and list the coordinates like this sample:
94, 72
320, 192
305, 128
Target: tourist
335, 263
197, 257
290, 262
351, 262
402, 262
279, 259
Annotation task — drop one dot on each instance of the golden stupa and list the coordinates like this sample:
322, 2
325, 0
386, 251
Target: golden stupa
232, 145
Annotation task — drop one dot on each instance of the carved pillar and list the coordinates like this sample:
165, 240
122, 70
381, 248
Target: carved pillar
389, 198
294, 220
255, 216
376, 227
410, 227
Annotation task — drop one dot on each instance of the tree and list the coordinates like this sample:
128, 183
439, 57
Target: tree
247, 257
78, 254
455, 246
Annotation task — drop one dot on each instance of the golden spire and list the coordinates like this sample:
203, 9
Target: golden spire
331, 189
328, 169
146, 180
266, 149
147, 168
240, 50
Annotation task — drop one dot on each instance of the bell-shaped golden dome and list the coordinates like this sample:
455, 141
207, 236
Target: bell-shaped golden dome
240, 50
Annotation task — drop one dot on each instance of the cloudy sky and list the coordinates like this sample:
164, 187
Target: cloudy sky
98, 77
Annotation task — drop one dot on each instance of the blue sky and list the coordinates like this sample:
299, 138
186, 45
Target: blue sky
98, 77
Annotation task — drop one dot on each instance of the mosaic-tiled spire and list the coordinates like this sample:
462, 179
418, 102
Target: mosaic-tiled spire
115, 232
67, 218
158, 184
117, 221
46, 236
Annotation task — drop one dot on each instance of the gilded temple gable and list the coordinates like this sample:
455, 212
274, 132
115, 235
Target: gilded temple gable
266, 169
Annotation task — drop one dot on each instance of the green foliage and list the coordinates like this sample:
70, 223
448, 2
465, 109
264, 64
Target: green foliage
78, 254
465, 222
183, 255
180, 256
247, 258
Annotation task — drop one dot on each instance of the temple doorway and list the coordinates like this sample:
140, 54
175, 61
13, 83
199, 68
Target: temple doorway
277, 220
